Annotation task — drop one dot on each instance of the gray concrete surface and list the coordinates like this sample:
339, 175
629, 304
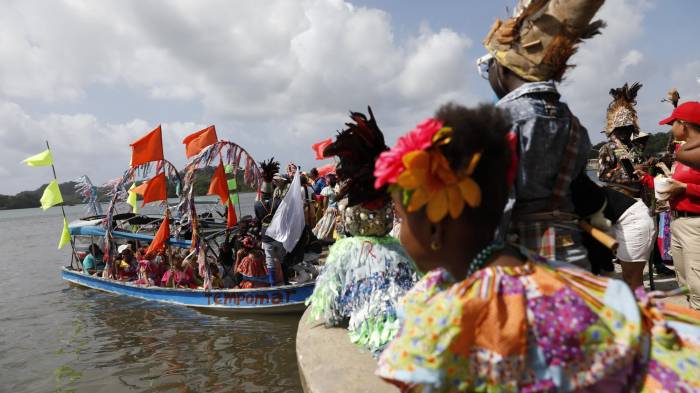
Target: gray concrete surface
330, 363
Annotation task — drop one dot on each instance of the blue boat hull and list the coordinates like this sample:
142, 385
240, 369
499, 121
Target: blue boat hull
284, 299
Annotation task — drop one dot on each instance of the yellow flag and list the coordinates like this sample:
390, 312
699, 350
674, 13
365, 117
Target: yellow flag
131, 200
42, 159
65, 235
52, 196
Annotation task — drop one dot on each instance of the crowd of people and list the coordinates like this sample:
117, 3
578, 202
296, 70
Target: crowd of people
458, 256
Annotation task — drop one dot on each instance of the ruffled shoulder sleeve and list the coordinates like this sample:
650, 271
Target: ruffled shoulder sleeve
453, 332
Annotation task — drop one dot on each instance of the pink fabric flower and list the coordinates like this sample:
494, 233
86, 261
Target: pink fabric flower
389, 165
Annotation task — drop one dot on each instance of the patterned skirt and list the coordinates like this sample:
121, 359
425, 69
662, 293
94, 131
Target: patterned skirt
362, 282
325, 226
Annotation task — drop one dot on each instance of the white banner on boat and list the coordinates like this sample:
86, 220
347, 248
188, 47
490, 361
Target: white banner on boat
288, 222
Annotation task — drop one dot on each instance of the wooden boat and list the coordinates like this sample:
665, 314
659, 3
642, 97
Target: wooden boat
280, 299
115, 228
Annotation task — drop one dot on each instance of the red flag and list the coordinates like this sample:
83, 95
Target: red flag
195, 143
148, 148
156, 189
161, 236
326, 169
231, 218
218, 185
320, 147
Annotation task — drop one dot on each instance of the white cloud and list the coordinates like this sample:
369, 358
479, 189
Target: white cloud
682, 77
606, 61
274, 75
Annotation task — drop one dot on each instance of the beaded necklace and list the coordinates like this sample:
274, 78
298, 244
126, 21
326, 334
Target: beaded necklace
483, 256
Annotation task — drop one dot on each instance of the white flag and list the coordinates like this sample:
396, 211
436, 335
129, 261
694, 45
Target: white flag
288, 222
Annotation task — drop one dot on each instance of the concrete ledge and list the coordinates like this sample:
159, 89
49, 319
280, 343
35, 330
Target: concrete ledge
330, 363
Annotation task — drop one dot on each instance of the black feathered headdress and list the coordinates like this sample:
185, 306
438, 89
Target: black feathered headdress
358, 147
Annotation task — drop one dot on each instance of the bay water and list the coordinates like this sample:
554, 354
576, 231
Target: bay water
55, 337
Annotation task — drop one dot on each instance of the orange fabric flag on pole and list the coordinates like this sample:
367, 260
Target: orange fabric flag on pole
320, 147
140, 189
195, 143
326, 169
148, 148
156, 189
161, 237
218, 185
231, 218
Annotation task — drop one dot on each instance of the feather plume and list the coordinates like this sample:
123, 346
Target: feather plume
357, 148
269, 168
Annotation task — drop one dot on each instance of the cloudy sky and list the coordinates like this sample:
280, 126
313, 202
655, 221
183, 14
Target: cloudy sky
278, 75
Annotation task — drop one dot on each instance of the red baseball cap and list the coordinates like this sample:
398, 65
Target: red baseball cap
687, 111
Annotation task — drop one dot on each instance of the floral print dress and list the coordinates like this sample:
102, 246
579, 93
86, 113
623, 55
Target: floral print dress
536, 328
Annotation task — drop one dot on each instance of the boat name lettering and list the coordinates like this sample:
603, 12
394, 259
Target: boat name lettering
226, 298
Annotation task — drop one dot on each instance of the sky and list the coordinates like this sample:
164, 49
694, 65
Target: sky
276, 76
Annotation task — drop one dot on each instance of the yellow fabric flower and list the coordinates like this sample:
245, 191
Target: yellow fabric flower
433, 183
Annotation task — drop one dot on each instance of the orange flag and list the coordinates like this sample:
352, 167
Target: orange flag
195, 143
148, 148
320, 147
156, 189
231, 218
161, 236
140, 189
218, 185
326, 169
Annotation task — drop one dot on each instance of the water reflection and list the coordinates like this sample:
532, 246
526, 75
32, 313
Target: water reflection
161, 348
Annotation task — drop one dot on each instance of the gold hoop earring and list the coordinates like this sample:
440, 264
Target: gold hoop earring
435, 245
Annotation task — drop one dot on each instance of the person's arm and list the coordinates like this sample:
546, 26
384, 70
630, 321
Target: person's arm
689, 189
689, 154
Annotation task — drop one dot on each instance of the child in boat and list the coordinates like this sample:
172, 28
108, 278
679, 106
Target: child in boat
366, 271
485, 319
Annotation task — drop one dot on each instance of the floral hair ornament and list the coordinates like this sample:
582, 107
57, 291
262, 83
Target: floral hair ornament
417, 168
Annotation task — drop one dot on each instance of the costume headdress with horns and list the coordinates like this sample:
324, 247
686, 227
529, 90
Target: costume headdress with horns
539, 39
621, 112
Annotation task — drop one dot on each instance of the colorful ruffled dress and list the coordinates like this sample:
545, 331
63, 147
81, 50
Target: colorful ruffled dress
535, 328
363, 279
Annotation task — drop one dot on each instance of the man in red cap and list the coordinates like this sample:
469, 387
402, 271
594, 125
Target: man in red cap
684, 191
689, 112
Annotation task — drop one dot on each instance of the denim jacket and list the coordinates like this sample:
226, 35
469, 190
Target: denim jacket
542, 123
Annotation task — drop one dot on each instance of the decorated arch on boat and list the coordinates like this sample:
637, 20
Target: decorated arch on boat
232, 159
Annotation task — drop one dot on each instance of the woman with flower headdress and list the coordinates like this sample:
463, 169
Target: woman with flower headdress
489, 319
366, 271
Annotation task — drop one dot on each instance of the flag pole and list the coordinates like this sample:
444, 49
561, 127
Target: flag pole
72, 243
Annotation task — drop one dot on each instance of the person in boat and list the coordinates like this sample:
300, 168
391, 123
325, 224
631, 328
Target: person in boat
485, 318
127, 264
216, 281
523, 67
326, 225
366, 271
274, 250
93, 263
318, 183
252, 272
307, 194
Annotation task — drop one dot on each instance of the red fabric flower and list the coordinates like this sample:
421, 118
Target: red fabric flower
390, 164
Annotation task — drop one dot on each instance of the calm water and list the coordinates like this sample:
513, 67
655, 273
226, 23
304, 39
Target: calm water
58, 338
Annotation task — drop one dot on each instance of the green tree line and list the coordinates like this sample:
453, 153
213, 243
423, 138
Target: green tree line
30, 199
